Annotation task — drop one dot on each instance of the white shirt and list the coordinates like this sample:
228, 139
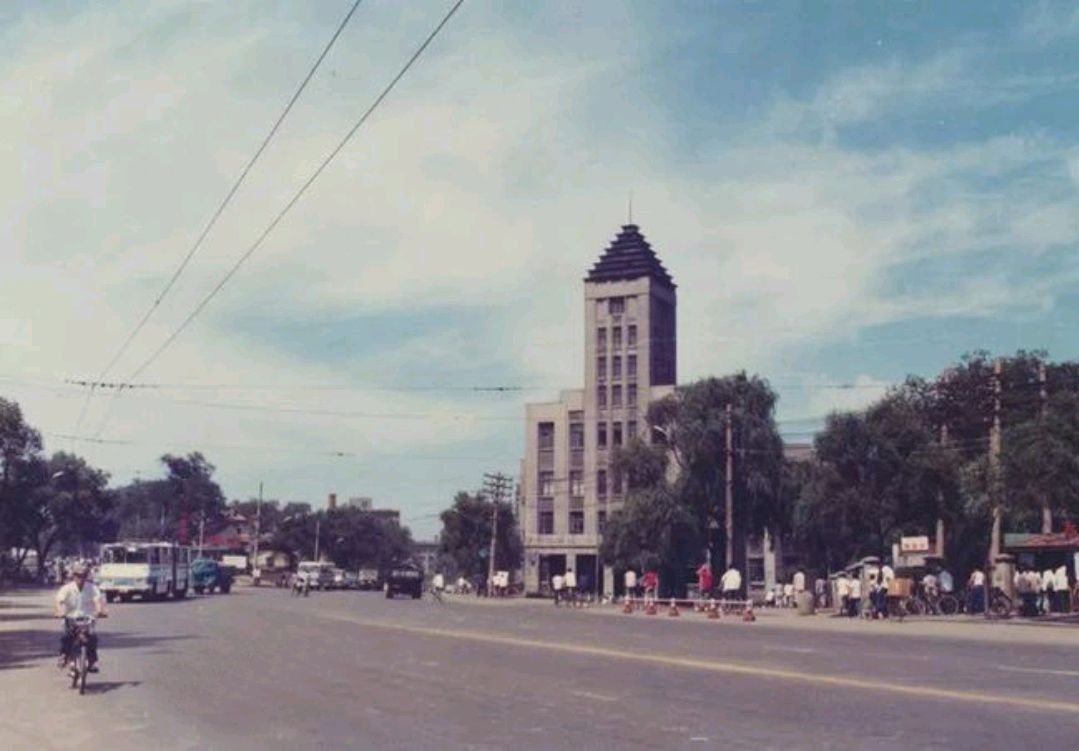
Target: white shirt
1061, 578
438, 582
1048, 580
788, 590
557, 582
75, 603
887, 575
842, 586
570, 580
856, 588
631, 579
947, 583
731, 580
977, 578
799, 582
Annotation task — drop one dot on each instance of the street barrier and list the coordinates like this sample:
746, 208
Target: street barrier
711, 608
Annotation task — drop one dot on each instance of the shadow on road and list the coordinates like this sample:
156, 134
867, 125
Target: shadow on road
105, 687
26, 647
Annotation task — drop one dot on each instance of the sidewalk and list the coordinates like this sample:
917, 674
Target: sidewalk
1060, 631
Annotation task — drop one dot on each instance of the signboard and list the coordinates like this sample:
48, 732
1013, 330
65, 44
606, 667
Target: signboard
914, 544
238, 562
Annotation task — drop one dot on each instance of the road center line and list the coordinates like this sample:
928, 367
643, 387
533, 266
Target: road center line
1043, 671
593, 695
713, 666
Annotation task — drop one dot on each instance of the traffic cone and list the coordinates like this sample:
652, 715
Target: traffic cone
627, 608
713, 610
672, 611
651, 608
747, 614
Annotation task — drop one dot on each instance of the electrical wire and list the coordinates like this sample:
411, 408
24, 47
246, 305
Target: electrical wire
218, 212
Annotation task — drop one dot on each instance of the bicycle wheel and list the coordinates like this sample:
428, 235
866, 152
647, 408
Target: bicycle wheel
914, 606
948, 605
1001, 606
83, 664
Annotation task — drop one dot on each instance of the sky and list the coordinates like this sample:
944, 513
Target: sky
845, 193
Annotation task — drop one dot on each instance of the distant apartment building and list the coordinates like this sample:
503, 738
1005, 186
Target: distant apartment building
568, 489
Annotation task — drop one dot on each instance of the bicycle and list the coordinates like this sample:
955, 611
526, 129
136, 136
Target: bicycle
436, 595
81, 629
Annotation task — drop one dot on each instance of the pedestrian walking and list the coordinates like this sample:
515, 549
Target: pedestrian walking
842, 592
1060, 586
854, 602
629, 584
557, 584
788, 595
650, 581
976, 582
704, 582
569, 581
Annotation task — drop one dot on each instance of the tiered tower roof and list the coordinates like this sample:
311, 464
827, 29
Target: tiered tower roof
629, 256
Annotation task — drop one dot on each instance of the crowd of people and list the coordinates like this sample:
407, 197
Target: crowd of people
1042, 593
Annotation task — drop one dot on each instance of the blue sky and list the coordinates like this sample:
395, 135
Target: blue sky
844, 192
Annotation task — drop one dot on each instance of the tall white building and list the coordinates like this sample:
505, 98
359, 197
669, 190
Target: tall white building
568, 489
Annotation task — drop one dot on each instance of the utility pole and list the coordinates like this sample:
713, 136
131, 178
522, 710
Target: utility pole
728, 504
258, 531
1047, 512
994, 465
940, 495
202, 530
495, 486
317, 523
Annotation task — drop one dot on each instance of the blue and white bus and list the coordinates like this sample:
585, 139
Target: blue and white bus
152, 570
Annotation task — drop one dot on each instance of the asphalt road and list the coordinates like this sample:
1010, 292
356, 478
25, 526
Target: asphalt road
263, 670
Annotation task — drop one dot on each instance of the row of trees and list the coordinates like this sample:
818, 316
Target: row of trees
350, 537
467, 528
918, 455
60, 504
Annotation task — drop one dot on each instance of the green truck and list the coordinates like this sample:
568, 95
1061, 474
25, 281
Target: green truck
207, 575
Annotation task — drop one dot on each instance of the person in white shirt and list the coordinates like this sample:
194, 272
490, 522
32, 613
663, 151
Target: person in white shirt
947, 581
79, 598
438, 583
557, 584
842, 593
570, 583
630, 582
1060, 583
854, 602
1048, 591
788, 595
799, 582
977, 591
731, 583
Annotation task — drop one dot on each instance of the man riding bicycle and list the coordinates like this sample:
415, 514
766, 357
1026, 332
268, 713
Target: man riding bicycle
79, 598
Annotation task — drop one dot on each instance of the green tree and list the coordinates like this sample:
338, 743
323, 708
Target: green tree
71, 508
194, 494
466, 535
22, 472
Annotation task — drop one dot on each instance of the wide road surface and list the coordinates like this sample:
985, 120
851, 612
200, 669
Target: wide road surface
259, 669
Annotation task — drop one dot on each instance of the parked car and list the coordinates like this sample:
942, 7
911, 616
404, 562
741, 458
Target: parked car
319, 575
207, 575
404, 579
368, 578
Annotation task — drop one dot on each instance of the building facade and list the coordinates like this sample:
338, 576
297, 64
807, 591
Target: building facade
567, 487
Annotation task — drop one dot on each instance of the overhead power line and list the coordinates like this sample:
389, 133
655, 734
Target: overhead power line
298, 195
219, 211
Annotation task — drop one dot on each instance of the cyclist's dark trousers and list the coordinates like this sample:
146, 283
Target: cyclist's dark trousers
67, 645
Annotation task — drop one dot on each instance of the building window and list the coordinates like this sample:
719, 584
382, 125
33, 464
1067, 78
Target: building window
631, 395
601, 435
616, 395
601, 397
601, 483
576, 436
616, 306
616, 367
576, 483
601, 338
545, 523
546, 483
631, 430
631, 335
546, 436
601, 521
755, 570
616, 337
631, 367
601, 367
617, 483
576, 522
616, 438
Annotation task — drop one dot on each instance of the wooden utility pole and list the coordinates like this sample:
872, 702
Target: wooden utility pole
728, 500
940, 495
994, 466
495, 487
258, 531
1047, 511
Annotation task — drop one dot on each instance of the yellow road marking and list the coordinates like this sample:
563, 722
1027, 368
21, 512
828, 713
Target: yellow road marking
718, 666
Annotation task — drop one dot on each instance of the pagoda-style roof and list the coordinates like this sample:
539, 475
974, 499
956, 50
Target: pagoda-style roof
628, 257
